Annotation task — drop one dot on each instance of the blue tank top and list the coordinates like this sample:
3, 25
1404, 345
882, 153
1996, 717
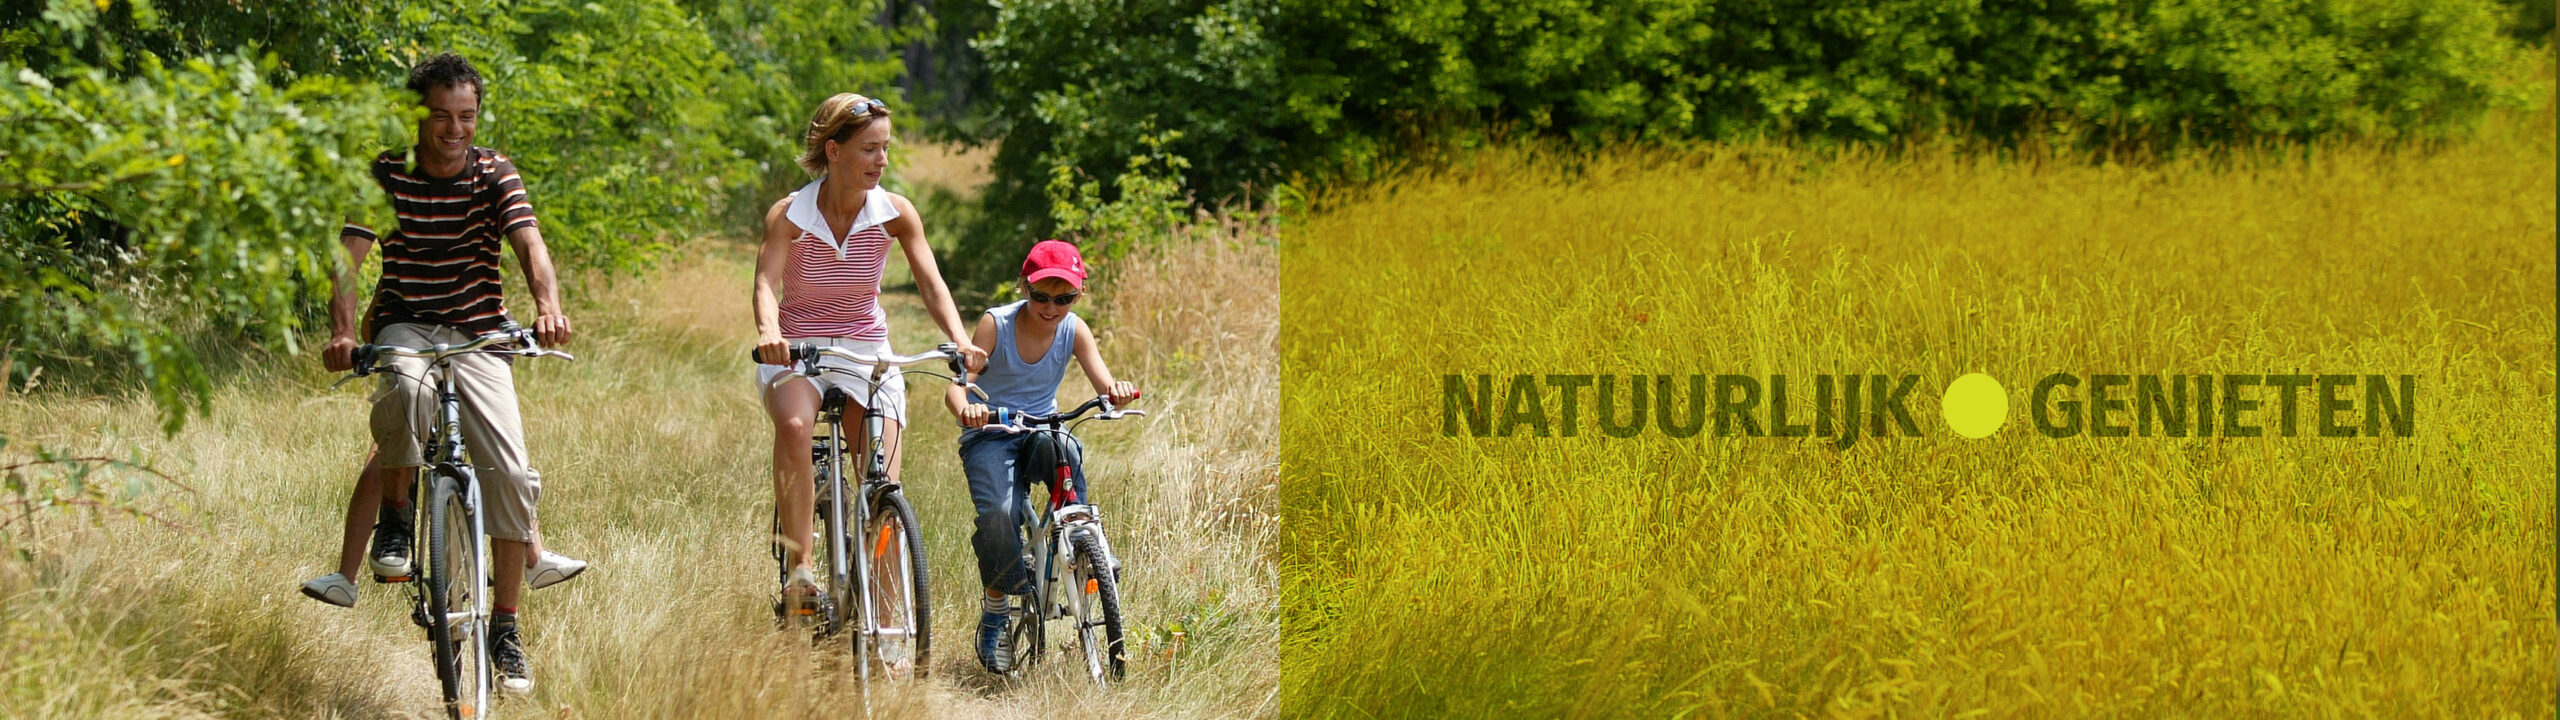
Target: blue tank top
1026, 387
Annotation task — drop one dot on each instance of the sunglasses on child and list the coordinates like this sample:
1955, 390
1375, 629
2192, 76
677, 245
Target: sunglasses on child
1061, 299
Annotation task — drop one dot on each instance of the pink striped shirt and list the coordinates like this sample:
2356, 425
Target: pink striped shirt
832, 289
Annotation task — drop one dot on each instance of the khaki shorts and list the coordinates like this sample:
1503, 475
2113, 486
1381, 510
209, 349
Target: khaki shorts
856, 384
404, 413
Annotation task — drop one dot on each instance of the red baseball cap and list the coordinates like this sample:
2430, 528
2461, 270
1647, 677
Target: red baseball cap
1054, 259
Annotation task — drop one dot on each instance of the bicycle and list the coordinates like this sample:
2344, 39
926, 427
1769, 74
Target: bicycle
452, 603
896, 613
1068, 536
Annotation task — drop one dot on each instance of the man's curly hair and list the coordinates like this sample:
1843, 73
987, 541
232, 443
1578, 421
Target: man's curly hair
446, 70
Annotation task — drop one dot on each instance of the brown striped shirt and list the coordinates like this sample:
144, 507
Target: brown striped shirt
440, 266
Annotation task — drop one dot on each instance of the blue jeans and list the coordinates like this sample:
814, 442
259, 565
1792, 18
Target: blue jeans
1001, 476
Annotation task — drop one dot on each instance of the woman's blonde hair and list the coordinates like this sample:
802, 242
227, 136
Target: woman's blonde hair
838, 118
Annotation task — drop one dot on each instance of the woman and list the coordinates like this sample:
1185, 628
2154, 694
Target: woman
818, 282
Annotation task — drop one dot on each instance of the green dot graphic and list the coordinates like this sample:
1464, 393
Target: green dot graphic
1975, 405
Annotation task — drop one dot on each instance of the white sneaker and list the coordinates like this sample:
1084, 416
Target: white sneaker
552, 569
333, 588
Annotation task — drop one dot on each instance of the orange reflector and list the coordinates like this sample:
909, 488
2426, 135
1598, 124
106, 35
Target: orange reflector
1092, 585
469, 711
887, 533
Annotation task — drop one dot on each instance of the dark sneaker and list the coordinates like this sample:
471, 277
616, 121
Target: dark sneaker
391, 537
991, 643
506, 652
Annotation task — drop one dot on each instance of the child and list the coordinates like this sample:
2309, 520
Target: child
1028, 345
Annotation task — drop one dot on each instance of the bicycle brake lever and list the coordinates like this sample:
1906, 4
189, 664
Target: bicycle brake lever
342, 380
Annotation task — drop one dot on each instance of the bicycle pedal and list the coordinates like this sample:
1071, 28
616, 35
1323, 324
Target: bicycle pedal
388, 579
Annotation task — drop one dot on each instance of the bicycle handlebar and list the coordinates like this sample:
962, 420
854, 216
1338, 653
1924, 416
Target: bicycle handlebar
1009, 420
367, 357
804, 359
805, 352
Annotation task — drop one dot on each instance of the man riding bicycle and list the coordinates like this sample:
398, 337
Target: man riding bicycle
440, 284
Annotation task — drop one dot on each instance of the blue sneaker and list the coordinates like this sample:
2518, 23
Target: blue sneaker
991, 650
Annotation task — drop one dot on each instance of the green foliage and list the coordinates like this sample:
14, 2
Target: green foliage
782, 59
198, 191
1147, 200
1264, 90
635, 122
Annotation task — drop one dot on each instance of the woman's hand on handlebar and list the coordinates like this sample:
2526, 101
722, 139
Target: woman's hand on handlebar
771, 349
972, 355
1122, 393
973, 416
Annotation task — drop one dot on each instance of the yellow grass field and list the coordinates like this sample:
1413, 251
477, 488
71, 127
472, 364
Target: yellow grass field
1431, 575
654, 451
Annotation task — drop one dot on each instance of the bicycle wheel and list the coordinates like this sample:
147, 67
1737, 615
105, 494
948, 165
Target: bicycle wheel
1095, 595
456, 580
901, 598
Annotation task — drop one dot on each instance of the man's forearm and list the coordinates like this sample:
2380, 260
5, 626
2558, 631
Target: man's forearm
538, 274
342, 287
342, 309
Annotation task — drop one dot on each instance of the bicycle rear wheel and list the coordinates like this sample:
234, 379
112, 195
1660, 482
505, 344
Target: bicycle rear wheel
457, 580
900, 589
1095, 596
1028, 633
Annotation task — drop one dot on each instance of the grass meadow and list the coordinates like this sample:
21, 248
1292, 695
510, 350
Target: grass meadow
2012, 576
654, 449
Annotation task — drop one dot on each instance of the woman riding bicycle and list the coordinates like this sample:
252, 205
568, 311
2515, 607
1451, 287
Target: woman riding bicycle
818, 282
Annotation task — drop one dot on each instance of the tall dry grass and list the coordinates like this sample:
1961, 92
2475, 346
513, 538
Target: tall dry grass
2014, 576
653, 450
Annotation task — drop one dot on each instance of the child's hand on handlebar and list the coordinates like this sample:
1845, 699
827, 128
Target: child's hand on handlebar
975, 357
1123, 393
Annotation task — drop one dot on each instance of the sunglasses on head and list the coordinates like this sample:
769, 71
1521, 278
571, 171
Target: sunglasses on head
1061, 299
868, 107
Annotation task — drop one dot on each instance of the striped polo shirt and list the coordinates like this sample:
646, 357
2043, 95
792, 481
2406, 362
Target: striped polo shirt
832, 288
440, 265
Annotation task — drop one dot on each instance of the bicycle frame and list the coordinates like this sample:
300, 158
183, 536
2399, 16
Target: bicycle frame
1050, 538
849, 569
451, 472
450, 458
845, 566
1067, 512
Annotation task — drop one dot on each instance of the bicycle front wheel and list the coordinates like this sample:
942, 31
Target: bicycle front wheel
457, 578
1095, 596
899, 587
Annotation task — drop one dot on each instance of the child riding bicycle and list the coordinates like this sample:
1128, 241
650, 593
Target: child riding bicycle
1028, 344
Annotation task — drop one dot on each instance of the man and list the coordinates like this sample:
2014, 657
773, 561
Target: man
440, 284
